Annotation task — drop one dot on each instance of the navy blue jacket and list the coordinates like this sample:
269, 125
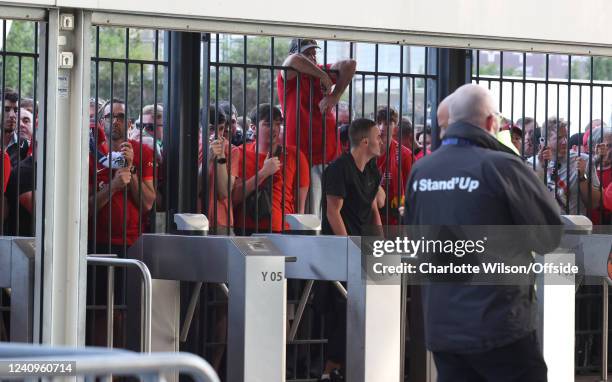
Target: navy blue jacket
501, 190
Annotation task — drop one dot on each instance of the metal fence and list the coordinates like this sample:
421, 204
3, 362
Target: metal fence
18, 122
572, 94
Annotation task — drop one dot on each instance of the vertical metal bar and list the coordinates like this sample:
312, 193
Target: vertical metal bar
34, 125
376, 79
501, 79
590, 203
2, 145
283, 201
257, 154
16, 201
204, 124
604, 331
388, 173
110, 152
271, 122
363, 95
95, 175
569, 119
141, 132
298, 104
557, 149
350, 102
524, 85
245, 127
125, 137
110, 305
229, 155
535, 119
425, 102
400, 149
297, 153
579, 146
413, 96
600, 178
477, 66
546, 121
165, 118
216, 124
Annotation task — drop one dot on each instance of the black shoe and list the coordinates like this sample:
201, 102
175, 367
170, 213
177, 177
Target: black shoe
335, 376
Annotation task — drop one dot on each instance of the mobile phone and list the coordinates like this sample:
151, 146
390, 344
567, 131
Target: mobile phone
542, 141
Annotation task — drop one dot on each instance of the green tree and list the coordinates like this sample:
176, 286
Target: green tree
20, 39
258, 53
112, 45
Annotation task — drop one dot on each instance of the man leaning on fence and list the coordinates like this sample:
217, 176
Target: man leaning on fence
120, 171
575, 188
320, 89
254, 200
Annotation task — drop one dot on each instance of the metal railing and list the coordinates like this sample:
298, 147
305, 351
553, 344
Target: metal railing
146, 299
93, 363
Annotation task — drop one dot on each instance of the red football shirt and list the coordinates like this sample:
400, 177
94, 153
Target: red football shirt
605, 178
7, 169
291, 112
393, 199
290, 169
115, 215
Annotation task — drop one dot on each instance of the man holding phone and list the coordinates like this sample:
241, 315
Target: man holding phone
264, 158
575, 188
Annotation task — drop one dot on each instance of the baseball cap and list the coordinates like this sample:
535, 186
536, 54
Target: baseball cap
304, 44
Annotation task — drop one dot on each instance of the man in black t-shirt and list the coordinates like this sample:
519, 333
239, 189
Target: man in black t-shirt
350, 185
19, 196
351, 182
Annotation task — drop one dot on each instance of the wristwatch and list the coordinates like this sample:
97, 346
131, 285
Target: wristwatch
221, 160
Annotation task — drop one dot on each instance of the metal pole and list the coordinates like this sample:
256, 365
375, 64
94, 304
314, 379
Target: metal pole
110, 306
146, 288
300, 310
604, 332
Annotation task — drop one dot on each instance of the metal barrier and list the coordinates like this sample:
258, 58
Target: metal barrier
253, 269
93, 363
17, 273
146, 298
373, 340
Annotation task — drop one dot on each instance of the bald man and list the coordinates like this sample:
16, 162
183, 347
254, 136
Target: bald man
480, 332
443, 114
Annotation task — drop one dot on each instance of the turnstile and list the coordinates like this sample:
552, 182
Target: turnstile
17, 273
373, 310
254, 270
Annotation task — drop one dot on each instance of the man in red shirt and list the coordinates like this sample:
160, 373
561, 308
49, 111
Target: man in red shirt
309, 120
389, 163
603, 163
117, 175
281, 166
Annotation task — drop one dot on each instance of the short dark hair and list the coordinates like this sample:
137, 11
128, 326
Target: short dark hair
262, 113
228, 108
216, 116
108, 103
385, 113
359, 129
344, 132
9, 95
406, 128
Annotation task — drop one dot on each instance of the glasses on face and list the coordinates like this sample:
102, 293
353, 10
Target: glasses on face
117, 116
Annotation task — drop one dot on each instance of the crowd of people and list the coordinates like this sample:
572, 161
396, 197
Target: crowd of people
289, 159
